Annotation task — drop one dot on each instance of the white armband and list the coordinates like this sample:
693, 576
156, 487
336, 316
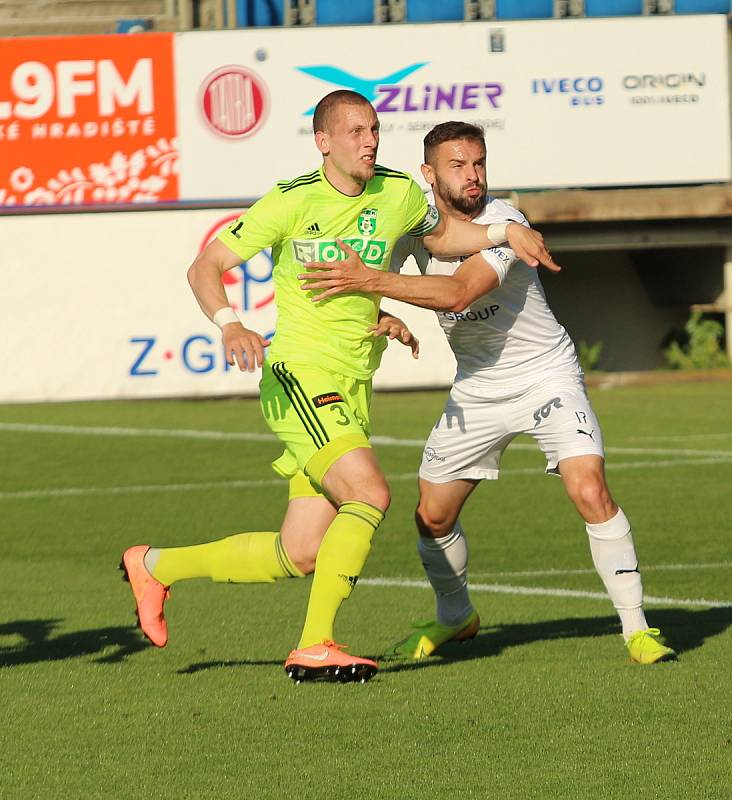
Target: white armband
497, 233
224, 316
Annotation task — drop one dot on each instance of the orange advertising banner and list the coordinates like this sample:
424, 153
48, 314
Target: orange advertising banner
88, 120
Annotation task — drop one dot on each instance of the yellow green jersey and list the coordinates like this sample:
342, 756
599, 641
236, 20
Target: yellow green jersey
301, 220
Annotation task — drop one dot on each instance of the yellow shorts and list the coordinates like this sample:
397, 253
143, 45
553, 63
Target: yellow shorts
317, 414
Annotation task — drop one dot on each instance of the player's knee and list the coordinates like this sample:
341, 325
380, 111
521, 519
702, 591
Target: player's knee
378, 495
374, 492
432, 520
303, 553
305, 563
592, 497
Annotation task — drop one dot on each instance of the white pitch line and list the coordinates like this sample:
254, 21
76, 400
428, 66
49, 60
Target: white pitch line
172, 433
81, 491
384, 441
548, 573
499, 588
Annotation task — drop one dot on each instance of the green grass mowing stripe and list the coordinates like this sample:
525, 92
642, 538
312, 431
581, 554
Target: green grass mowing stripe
542, 704
80, 491
385, 441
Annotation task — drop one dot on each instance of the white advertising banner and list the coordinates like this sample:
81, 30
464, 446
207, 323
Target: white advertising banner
584, 102
103, 310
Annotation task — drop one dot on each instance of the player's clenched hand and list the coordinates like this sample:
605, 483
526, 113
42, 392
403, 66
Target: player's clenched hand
243, 346
529, 246
336, 277
394, 328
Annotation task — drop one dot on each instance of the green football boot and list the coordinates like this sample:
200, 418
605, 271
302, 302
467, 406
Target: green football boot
429, 635
647, 647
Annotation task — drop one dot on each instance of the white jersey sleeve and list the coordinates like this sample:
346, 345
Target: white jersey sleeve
508, 339
409, 247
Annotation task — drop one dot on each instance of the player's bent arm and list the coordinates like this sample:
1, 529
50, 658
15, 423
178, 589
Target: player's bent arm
204, 276
474, 278
455, 237
241, 345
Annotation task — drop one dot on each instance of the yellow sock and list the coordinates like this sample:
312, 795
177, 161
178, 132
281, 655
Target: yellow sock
242, 558
341, 557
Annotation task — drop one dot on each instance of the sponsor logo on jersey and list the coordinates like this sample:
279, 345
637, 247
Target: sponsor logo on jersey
321, 400
367, 221
546, 409
234, 102
313, 230
471, 315
372, 251
430, 454
387, 96
579, 91
501, 254
670, 87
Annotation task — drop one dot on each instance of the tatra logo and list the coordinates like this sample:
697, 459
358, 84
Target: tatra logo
367, 221
372, 251
321, 400
234, 101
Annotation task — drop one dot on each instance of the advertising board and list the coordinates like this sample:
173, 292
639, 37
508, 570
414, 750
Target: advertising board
87, 120
104, 310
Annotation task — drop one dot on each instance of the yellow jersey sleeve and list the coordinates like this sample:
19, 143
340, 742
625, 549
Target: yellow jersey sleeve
260, 227
420, 218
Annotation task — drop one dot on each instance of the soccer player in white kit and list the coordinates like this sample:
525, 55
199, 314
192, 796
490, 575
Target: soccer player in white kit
517, 372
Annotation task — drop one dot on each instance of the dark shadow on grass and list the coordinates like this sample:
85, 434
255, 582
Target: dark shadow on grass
40, 644
201, 666
685, 631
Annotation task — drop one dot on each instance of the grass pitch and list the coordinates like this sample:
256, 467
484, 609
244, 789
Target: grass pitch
542, 704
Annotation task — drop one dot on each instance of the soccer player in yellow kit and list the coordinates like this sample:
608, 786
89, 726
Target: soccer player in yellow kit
316, 380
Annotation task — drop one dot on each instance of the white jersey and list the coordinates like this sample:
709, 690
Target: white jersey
508, 339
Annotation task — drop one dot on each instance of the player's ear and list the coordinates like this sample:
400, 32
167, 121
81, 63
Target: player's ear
322, 142
428, 173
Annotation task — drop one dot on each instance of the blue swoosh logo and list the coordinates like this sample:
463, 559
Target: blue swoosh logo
368, 87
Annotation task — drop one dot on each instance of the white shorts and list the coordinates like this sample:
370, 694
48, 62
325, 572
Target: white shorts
473, 431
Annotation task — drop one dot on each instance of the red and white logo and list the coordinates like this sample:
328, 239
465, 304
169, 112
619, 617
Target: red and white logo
234, 101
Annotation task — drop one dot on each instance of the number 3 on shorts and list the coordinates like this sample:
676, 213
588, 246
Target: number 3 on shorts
343, 418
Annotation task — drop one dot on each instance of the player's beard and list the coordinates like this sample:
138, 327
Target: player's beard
461, 203
364, 174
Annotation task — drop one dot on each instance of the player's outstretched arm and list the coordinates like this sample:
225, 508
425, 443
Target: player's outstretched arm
473, 279
241, 345
395, 328
455, 237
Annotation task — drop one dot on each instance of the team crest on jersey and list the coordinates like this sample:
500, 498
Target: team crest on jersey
367, 221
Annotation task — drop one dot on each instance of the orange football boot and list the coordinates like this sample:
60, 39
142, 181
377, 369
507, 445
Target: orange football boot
327, 661
150, 595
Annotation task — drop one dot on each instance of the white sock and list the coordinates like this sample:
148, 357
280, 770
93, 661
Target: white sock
616, 562
445, 561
